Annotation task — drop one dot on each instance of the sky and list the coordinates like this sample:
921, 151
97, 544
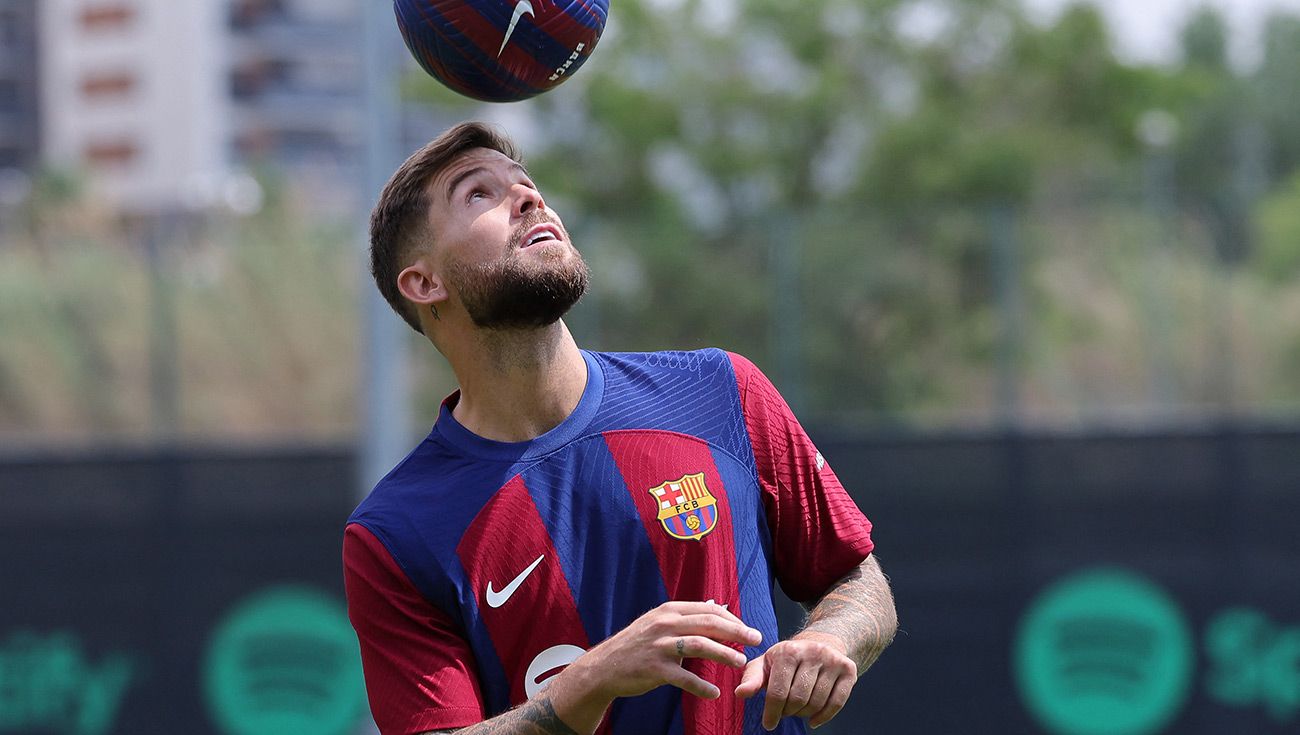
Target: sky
1147, 30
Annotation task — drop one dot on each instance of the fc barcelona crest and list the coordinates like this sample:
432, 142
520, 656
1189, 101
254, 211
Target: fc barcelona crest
687, 509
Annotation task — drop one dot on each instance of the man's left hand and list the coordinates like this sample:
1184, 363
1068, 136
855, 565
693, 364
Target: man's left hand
809, 676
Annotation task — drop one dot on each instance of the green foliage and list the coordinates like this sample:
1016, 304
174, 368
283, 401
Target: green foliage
821, 186
1278, 256
871, 141
264, 328
1205, 41
1275, 83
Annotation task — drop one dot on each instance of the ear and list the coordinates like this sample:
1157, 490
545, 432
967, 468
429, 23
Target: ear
418, 283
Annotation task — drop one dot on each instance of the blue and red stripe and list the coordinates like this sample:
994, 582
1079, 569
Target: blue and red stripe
695, 570
490, 557
589, 513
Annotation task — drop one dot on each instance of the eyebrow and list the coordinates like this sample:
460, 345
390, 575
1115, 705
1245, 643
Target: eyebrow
463, 175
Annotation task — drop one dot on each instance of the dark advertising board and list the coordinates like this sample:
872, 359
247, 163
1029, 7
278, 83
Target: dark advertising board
1104, 584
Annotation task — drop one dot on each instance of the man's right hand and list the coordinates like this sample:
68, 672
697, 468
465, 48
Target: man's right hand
646, 655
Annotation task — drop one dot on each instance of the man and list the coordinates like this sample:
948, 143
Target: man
581, 529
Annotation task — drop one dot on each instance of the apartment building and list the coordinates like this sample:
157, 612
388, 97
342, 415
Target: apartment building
159, 99
295, 76
19, 85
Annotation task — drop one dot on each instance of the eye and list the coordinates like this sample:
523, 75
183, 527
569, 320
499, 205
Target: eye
475, 194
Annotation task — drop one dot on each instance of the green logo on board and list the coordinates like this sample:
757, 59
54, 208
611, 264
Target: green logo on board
1104, 652
48, 684
284, 662
1254, 662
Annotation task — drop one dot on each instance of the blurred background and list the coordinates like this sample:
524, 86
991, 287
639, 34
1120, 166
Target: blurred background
1028, 271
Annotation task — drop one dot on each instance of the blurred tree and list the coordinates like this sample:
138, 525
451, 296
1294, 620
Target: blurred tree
868, 143
1278, 256
705, 145
1276, 84
1216, 115
263, 306
1204, 41
816, 185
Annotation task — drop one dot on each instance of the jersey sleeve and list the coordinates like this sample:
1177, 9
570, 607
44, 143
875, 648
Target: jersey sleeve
419, 670
818, 532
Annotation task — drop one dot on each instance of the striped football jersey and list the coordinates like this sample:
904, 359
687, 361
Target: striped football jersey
476, 569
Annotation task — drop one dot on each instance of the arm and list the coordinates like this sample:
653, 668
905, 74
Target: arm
822, 551
857, 613
643, 656
420, 671
534, 717
812, 674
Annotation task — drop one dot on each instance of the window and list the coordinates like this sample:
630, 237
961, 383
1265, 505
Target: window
106, 85
246, 14
111, 152
107, 16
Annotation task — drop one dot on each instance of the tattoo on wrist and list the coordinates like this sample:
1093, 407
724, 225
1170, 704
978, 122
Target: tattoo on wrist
534, 717
858, 610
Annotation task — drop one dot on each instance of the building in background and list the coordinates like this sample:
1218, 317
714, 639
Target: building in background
293, 94
293, 79
19, 85
161, 102
133, 94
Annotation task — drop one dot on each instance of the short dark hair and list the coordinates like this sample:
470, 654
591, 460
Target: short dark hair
399, 222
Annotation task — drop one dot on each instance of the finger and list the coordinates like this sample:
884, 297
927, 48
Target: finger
683, 607
690, 683
801, 688
839, 695
694, 646
719, 629
821, 694
780, 675
752, 680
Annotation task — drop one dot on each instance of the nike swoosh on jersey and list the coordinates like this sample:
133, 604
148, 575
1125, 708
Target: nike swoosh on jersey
521, 8
497, 599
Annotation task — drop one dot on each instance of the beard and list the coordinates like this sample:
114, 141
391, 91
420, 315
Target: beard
515, 293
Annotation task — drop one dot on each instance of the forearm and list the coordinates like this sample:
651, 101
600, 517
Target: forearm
535, 717
568, 706
858, 611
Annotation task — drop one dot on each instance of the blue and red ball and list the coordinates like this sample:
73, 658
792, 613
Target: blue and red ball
501, 50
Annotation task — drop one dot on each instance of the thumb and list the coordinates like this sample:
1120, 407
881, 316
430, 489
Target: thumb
752, 680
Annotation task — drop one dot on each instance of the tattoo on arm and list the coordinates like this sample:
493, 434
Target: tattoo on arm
858, 610
534, 717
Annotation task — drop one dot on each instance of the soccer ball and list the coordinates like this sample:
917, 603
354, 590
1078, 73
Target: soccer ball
501, 50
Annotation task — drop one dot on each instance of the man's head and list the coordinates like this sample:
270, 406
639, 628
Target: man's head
461, 227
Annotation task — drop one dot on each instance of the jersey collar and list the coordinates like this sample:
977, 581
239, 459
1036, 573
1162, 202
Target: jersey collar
451, 431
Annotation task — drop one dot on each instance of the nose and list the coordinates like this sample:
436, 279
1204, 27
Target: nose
527, 199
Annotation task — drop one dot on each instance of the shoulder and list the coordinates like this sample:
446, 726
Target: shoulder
416, 515
694, 393
745, 370
409, 476
671, 379
709, 369
426, 499
703, 363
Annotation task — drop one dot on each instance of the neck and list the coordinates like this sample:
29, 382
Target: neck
517, 385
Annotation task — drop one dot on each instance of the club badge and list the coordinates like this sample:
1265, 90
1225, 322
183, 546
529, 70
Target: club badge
687, 509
